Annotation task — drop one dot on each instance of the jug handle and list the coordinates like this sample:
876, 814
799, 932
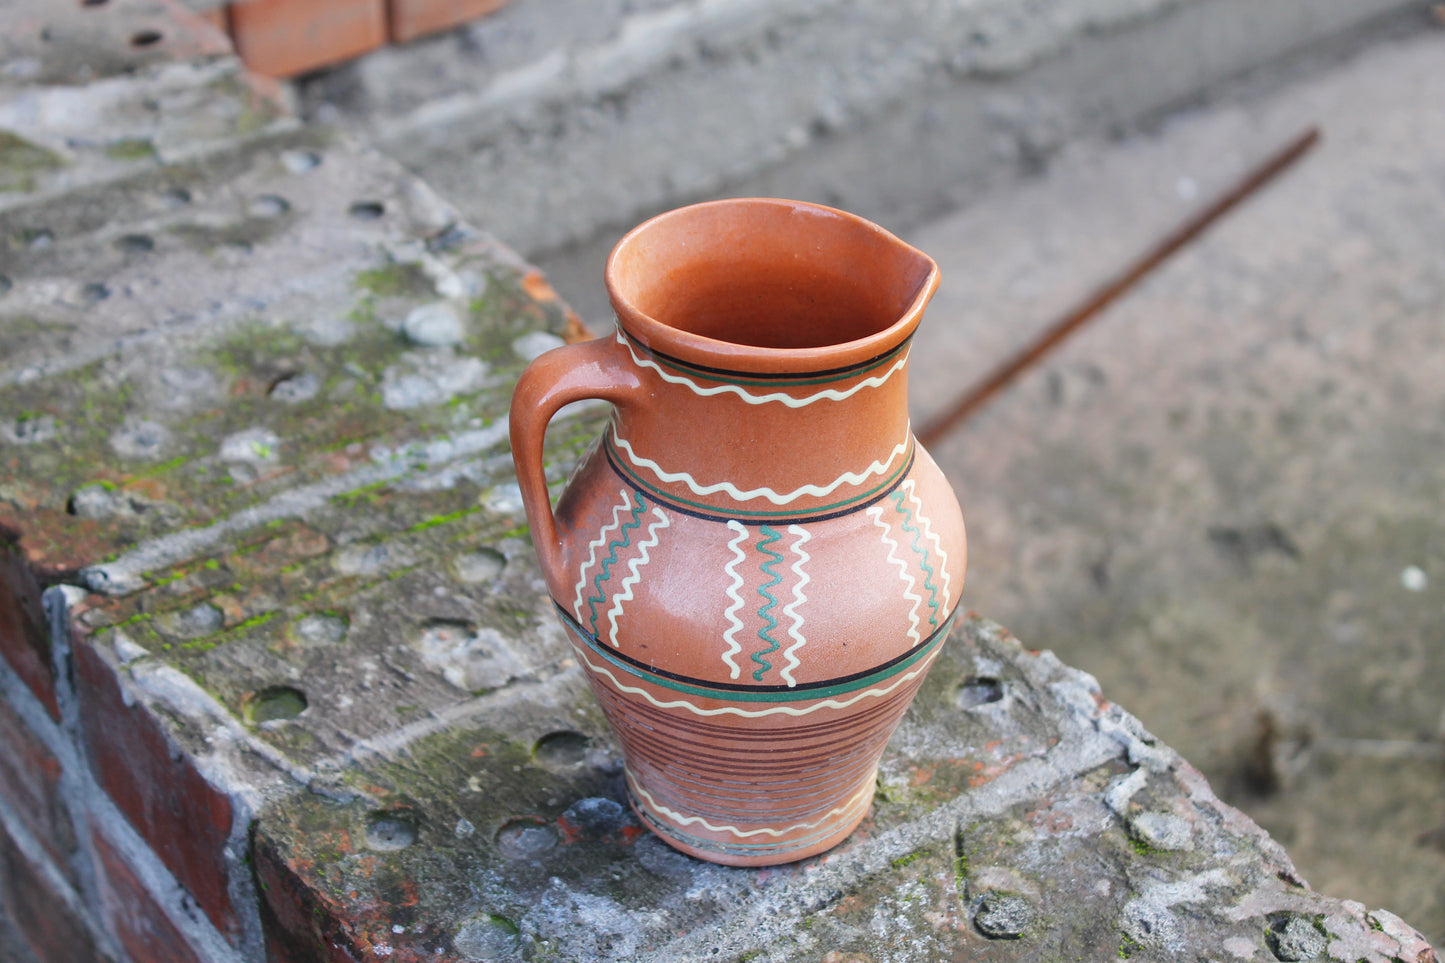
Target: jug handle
573, 372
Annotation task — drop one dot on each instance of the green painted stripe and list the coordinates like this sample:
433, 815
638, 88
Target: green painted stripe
743, 695
770, 535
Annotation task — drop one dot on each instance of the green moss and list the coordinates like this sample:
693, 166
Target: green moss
243, 234
912, 857
164, 466
1128, 946
396, 280
436, 520
132, 148
21, 160
254, 621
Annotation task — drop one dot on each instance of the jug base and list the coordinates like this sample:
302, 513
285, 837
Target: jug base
762, 846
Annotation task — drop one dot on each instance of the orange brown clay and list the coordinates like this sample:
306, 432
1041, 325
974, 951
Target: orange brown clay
757, 563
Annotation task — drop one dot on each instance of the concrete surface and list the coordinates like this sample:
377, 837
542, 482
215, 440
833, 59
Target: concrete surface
1224, 497
297, 693
570, 120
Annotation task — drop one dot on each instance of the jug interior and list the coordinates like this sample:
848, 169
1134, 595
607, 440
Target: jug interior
767, 274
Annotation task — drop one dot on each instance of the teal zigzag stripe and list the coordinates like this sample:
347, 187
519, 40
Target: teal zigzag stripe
624, 536
772, 535
897, 498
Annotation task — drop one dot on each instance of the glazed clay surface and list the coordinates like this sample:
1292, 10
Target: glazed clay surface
757, 562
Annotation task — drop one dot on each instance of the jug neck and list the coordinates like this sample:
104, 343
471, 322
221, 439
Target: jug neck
764, 447
771, 339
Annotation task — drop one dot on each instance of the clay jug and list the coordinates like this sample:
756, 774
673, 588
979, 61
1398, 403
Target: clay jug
757, 562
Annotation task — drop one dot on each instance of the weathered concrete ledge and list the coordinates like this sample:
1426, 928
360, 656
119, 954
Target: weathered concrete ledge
293, 690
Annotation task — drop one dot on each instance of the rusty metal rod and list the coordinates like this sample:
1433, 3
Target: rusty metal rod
979, 395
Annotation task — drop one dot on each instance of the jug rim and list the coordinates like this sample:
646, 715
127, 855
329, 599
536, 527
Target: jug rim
661, 337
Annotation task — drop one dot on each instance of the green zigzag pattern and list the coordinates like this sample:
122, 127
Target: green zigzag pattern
765, 612
907, 513
624, 536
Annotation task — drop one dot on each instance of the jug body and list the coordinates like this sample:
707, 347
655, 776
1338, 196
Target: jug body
757, 563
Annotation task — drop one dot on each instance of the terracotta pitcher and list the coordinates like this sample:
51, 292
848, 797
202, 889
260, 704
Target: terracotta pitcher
757, 562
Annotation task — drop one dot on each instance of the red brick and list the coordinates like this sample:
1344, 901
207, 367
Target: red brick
24, 638
30, 786
136, 920
417, 18
283, 38
301, 926
183, 817
41, 914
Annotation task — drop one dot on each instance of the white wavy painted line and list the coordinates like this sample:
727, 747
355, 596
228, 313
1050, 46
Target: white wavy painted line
906, 677
851, 478
592, 549
827, 394
876, 513
642, 559
912, 489
863, 793
791, 608
734, 647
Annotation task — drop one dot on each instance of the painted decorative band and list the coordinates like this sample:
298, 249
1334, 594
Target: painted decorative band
756, 378
667, 824
780, 516
802, 692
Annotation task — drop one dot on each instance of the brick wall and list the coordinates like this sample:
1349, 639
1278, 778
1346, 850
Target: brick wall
113, 846
283, 38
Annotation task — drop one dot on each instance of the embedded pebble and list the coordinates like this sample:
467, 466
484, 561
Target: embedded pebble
296, 388
1003, 916
140, 439
300, 161
371, 559
182, 386
434, 325
268, 206
597, 815
320, 630
469, 658
418, 382
488, 938
504, 499
126, 649
30, 430
197, 621
482, 566
526, 839
325, 332
97, 502
1414, 579
535, 344
1162, 831
1298, 939
254, 445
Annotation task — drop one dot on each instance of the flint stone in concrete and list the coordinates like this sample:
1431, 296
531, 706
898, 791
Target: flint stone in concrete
434, 325
1003, 916
1297, 938
425, 380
